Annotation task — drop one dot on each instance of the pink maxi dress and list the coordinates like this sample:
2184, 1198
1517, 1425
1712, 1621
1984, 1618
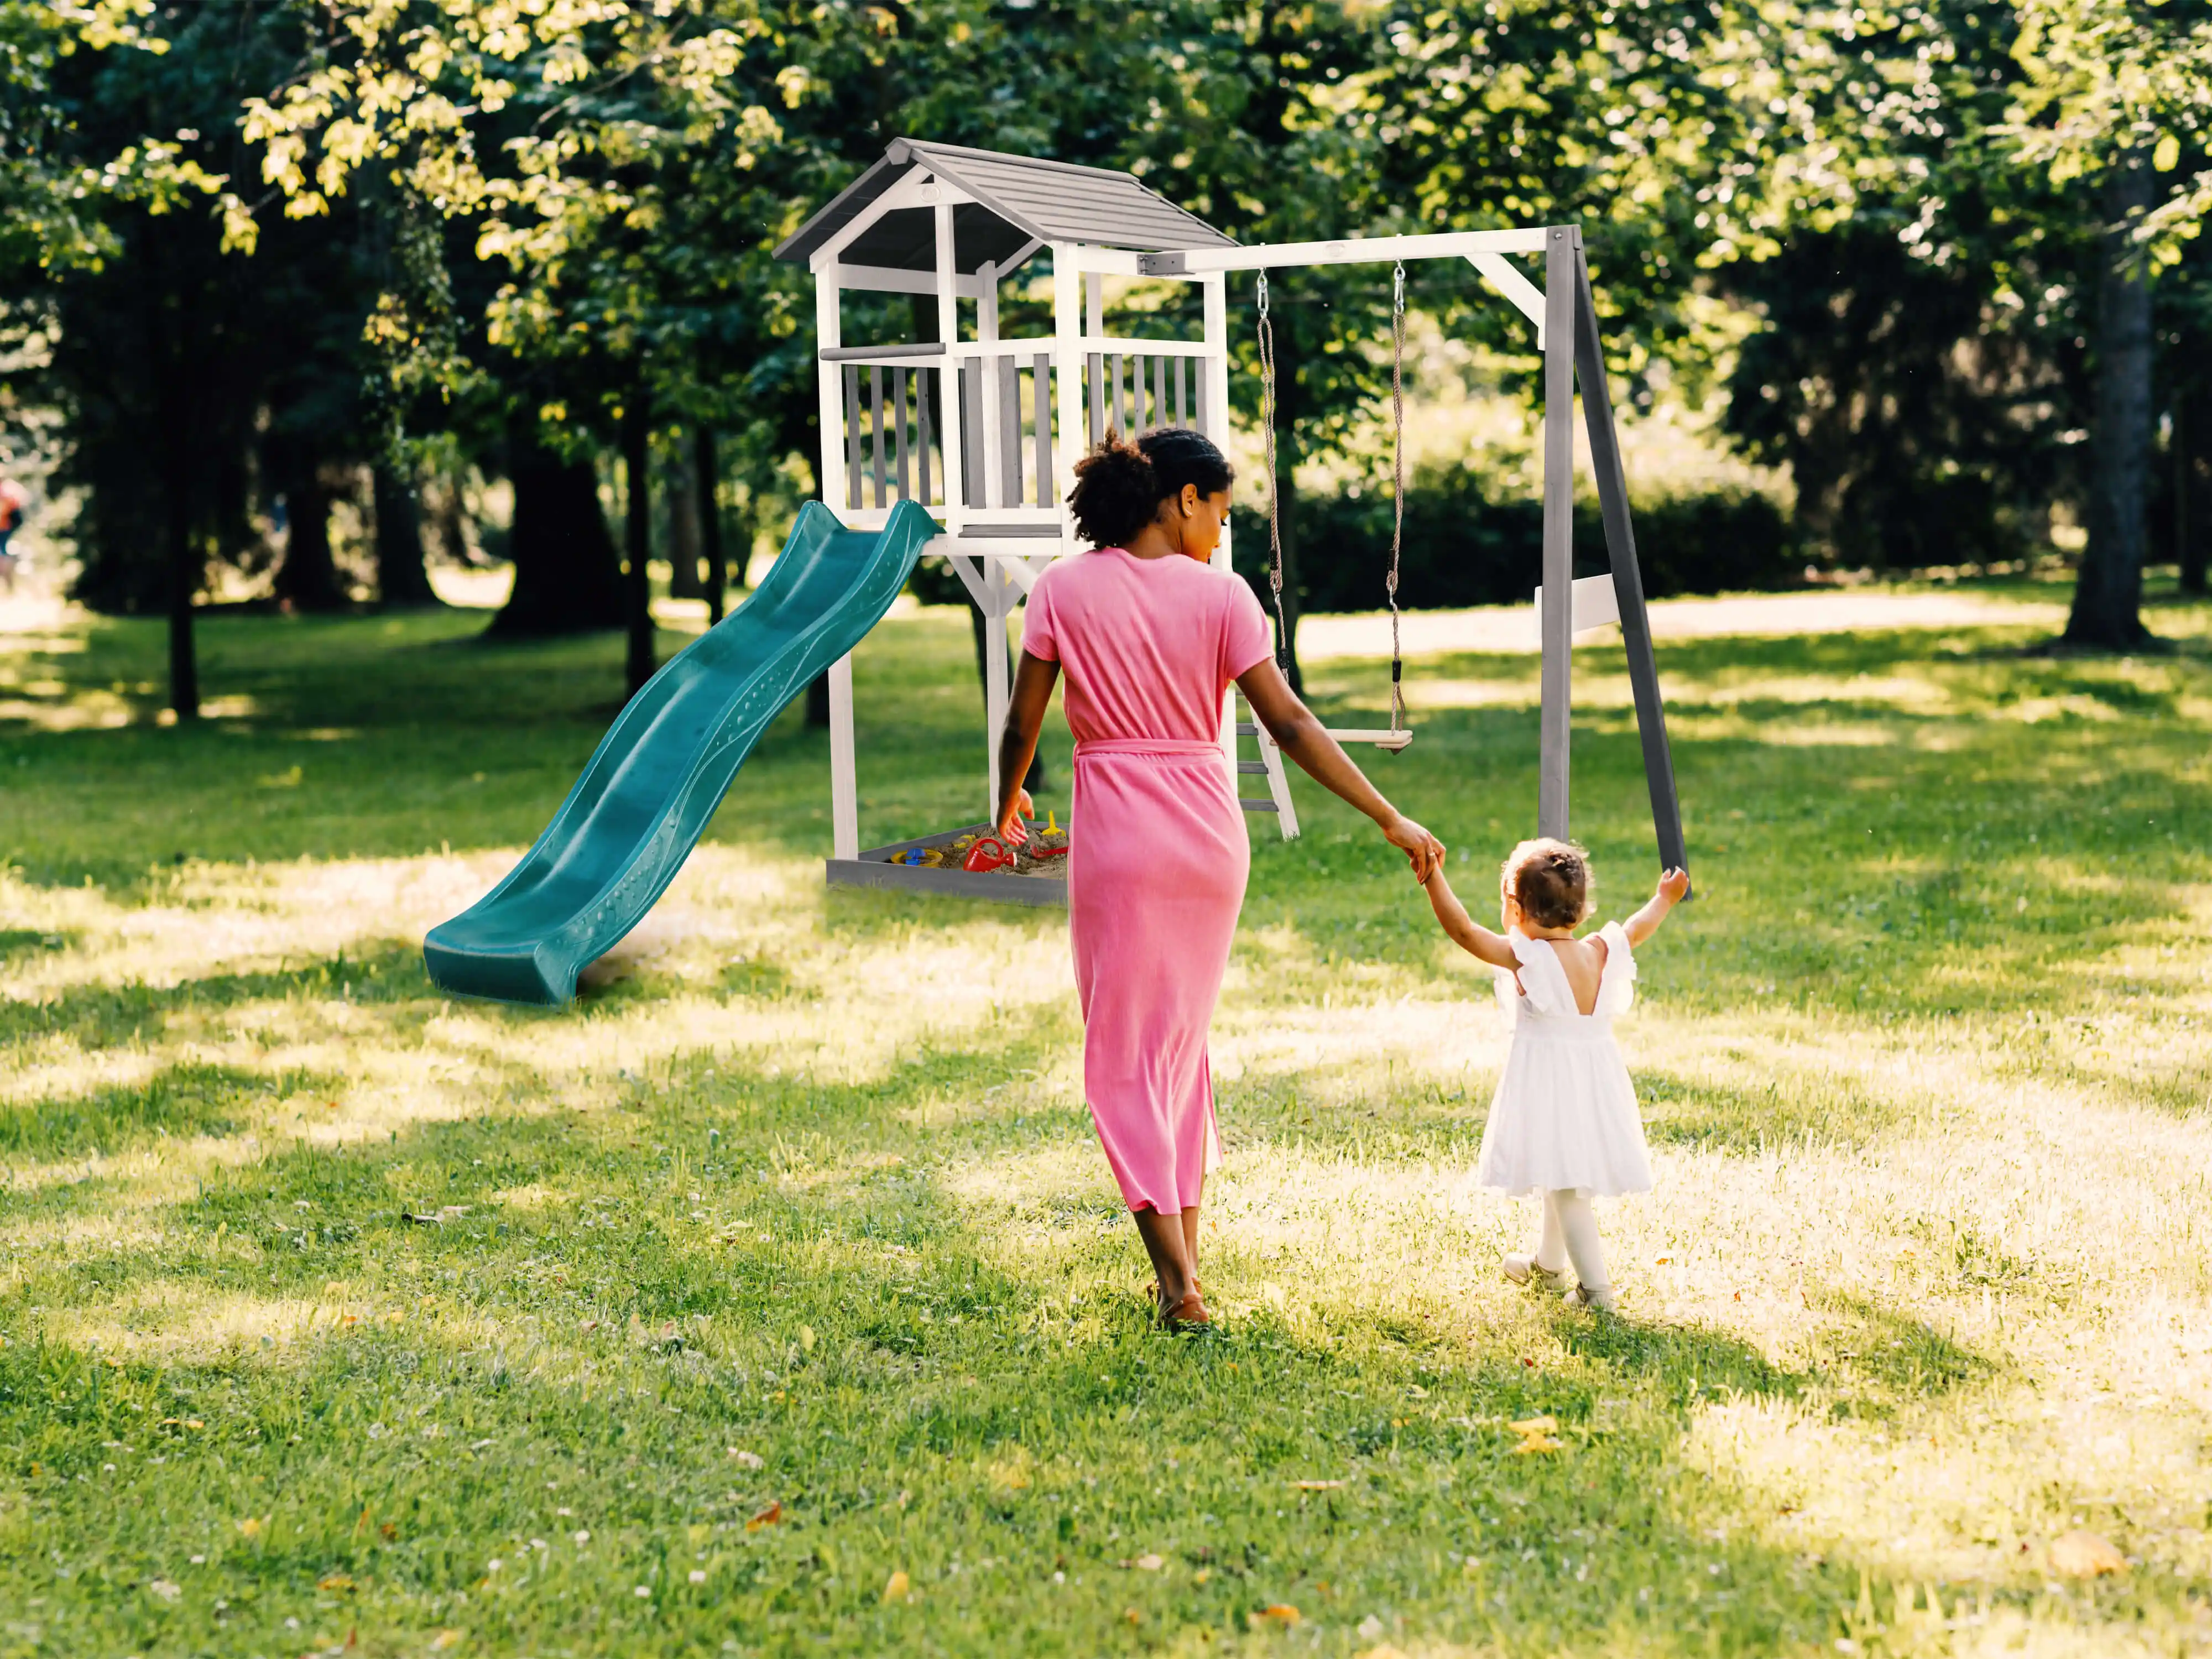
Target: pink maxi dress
1158, 856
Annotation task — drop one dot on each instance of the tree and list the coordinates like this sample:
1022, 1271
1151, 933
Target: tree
2112, 93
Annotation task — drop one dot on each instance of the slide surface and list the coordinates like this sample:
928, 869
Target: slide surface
662, 768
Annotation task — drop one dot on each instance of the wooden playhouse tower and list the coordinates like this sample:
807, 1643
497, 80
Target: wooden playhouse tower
985, 430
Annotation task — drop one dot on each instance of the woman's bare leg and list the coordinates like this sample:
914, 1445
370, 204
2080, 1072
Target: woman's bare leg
1164, 1243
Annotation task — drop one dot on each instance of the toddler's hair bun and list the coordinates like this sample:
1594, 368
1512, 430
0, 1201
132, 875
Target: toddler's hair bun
1552, 880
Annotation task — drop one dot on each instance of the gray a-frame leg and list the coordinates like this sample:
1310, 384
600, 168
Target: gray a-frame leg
1627, 574
1555, 721
1572, 354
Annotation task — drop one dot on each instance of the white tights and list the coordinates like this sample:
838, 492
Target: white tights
1570, 1234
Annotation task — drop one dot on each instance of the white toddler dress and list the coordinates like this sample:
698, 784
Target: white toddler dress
1565, 1114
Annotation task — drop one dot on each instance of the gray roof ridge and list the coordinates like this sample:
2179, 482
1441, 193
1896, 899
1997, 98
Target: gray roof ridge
931, 147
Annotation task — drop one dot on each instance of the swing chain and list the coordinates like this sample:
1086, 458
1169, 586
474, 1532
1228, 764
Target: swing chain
1398, 486
1274, 498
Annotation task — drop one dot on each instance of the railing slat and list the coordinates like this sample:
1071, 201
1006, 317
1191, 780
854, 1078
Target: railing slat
971, 434
876, 427
1200, 417
1096, 378
1010, 427
899, 377
1159, 391
921, 420
852, 436
1040, 398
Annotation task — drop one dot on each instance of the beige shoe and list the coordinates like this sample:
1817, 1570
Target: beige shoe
1605, 1300
1522, 1268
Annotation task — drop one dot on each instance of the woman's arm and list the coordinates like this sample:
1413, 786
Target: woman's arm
1033, 683
1466, 932
1646, 922
1300, 736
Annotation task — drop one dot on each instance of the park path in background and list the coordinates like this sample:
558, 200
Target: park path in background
1512, 628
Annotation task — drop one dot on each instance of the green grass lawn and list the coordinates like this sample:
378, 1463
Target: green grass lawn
776, 1298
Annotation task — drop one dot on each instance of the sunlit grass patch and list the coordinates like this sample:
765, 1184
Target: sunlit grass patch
784, 1268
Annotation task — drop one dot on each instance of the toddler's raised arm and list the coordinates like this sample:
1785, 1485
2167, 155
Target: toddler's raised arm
1646, 922
1466, 932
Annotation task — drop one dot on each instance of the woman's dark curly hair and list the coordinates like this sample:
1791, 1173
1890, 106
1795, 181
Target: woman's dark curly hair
1120, 485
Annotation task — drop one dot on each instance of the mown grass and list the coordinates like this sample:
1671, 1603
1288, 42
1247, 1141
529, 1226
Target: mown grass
683, 1322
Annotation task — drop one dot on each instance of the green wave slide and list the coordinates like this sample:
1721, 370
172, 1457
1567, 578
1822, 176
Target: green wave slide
664, 767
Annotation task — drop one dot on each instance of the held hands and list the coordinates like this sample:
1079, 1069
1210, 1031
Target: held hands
1422, 850
1009, 826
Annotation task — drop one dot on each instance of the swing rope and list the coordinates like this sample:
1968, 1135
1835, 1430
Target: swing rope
1397, 488
1274, 496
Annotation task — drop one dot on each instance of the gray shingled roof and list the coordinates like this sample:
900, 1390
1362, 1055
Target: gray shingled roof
1017, 197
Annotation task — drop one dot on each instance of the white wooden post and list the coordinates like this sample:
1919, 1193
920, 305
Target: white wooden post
987, 334
844, 783
1215, 292
1094, 303
1001, 590
948, 332
1067, 377
828, 330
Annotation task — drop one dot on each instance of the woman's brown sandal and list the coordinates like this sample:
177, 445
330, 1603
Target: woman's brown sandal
1187, 1315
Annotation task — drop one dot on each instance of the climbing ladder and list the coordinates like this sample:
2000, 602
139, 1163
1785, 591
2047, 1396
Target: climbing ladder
1269, 766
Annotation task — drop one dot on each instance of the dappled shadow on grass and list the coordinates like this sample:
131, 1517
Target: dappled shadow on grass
181, 1100
96, 1015
748, 1262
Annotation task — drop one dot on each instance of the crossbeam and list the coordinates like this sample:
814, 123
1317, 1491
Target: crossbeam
1355, 251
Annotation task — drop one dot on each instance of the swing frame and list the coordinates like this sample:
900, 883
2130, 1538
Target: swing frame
1565, 312
1006, 419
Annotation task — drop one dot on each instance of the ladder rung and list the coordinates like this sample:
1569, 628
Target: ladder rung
1247, 729
1258, 767
1251, 805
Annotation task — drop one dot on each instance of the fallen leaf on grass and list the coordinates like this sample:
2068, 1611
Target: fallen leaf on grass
2085, 1555
1145, 1564
446, 1638
767, 1517
168, 1589
336, 1581
1280, 1614
1316, 1485
896, 1586
747, 1459
251, 1526
1535, 1426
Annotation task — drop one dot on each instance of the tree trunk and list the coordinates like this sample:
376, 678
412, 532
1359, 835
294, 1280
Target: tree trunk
402, 580
707, 475
637, 501
566, 577
2191, 497
2108, 593
308, 578
680, 490
184, 571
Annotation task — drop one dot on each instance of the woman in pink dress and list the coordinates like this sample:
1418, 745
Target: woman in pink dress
1151, 636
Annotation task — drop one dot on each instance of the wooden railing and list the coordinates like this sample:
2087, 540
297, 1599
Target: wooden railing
893, 406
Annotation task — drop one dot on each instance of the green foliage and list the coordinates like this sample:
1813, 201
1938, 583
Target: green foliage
1472, 538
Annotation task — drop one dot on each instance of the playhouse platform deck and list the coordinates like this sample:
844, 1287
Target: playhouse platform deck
874, 868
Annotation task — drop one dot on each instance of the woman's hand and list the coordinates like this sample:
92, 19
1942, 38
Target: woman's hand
1009, 826
1422, 850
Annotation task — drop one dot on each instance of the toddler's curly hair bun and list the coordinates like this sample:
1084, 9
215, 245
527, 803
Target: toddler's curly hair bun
1551, 879
1119, 485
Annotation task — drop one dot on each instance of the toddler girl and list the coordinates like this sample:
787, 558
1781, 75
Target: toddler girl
1564, 1122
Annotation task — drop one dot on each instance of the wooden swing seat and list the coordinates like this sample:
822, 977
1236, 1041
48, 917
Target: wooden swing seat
1381, 738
